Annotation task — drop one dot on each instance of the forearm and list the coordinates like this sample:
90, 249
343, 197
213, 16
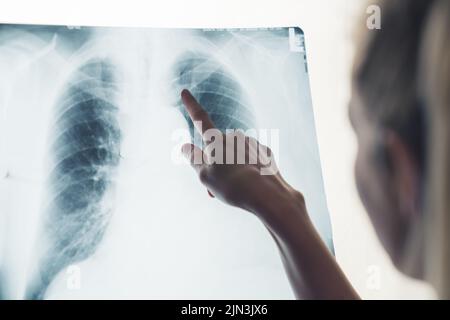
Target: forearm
311, 268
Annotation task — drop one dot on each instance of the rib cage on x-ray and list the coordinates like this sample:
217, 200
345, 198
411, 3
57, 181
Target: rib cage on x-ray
109, 199
85, 148
215, 89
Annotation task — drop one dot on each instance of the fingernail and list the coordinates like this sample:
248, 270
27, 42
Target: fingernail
210, 194
185, 93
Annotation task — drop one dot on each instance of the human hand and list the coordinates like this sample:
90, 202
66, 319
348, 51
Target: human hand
234, 167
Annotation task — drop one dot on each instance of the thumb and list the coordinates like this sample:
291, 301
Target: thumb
195, 155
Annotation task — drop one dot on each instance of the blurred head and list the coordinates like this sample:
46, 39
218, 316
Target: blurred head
400, 112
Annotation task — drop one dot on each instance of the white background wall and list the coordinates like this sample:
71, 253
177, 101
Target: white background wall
328, 26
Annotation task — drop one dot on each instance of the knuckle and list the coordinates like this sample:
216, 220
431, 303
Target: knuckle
203, 175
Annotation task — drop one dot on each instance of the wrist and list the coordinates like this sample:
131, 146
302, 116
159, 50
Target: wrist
280, 207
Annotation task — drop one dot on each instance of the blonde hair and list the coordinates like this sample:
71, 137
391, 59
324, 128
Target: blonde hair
402, 76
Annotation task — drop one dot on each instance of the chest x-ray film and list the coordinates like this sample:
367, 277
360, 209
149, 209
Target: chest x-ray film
95, 199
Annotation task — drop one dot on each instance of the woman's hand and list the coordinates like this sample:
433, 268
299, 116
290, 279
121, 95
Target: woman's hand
235, 168
257, 186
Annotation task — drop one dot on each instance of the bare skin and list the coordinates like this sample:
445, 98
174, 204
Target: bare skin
312, 270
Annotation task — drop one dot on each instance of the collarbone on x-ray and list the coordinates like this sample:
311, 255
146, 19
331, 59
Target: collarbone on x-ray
92, 204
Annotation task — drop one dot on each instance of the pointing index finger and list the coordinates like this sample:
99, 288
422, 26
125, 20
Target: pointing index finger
196, 112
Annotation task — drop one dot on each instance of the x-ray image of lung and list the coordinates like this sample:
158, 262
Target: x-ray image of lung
96, 201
